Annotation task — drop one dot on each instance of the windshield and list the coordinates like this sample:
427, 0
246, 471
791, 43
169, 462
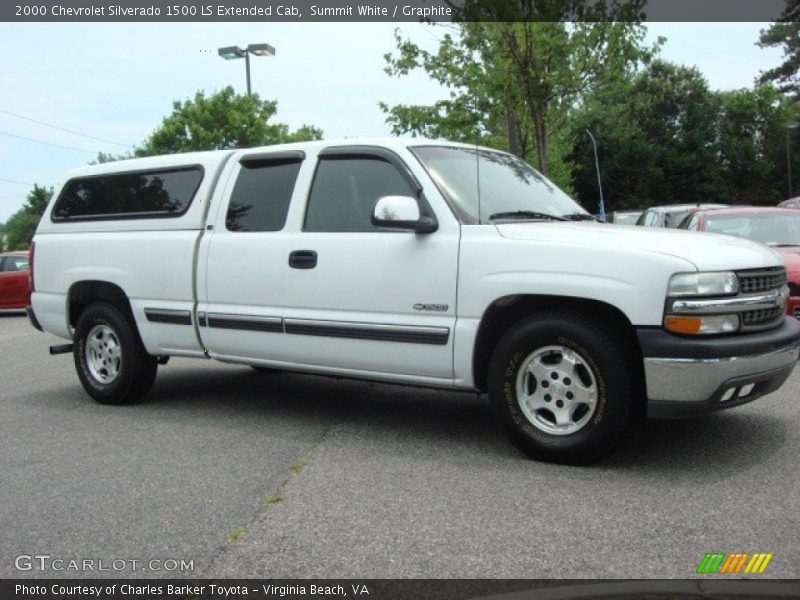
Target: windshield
484, 185
772, 229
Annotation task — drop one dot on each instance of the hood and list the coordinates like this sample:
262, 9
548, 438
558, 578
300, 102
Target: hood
791, 254
707, 251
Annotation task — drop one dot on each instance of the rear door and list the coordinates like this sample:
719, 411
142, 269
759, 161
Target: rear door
241, 287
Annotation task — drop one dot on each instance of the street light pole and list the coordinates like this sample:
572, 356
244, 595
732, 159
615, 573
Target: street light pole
789, 125
247, 69
234, 52
599, 181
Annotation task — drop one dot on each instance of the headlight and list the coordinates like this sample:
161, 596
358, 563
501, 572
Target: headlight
723, 283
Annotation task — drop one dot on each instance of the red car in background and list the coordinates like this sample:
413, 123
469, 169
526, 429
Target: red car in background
778, 228
15, 290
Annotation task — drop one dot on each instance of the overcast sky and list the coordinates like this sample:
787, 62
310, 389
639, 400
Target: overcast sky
117, 81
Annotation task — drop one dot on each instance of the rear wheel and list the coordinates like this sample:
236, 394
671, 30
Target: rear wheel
110, 359
564, 388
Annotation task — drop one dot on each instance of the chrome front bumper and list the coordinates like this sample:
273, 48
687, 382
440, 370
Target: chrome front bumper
685, 378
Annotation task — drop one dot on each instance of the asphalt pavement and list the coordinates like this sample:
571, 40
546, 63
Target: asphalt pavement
288, 476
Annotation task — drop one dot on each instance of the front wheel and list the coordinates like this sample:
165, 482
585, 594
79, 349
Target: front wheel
111, 361
564, 388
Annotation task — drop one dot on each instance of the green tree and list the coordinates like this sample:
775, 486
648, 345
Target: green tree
511, 85
784, 33
220, 121
752, 144
21, 226
665, 137
658, 140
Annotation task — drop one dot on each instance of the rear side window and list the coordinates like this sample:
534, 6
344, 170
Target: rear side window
261, 196
345, 191
157, 193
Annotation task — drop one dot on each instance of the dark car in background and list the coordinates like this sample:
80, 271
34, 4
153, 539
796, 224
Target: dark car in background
15, 288
778, 228
671, 215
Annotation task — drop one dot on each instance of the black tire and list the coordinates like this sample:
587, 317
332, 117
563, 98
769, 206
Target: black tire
136, 368
618, 407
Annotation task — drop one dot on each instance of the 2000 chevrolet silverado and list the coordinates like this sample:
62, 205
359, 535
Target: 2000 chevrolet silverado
410, 261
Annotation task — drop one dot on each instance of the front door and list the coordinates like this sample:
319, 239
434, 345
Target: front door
362, 298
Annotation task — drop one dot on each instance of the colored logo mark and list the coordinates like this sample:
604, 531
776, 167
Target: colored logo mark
736, 562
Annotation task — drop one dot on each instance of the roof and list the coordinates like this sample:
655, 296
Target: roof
213, 157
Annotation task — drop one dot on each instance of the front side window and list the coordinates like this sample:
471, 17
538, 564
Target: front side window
345, 191
486, 185
155, 193
261, 196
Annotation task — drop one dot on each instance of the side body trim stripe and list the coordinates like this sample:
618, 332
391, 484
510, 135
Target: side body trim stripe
411, 334
369, 331
170, 316
246, 322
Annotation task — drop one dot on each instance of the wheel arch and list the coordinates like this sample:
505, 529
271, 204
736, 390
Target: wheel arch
501, 314
83, 293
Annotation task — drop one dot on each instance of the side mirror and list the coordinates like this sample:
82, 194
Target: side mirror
401, 212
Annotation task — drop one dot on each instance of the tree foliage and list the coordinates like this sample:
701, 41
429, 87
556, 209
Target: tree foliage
220, 121
21, 226
784, 33
511, 85
665, 137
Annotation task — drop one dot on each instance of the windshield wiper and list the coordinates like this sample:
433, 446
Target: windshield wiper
524, 214
580, 217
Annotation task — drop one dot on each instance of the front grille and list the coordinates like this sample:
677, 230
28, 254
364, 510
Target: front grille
758, 282
765, 316
753, 282
797, 312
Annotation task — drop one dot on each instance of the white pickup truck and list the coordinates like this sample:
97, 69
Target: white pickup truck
409, 261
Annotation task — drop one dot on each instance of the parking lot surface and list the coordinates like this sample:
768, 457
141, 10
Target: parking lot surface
287, 475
